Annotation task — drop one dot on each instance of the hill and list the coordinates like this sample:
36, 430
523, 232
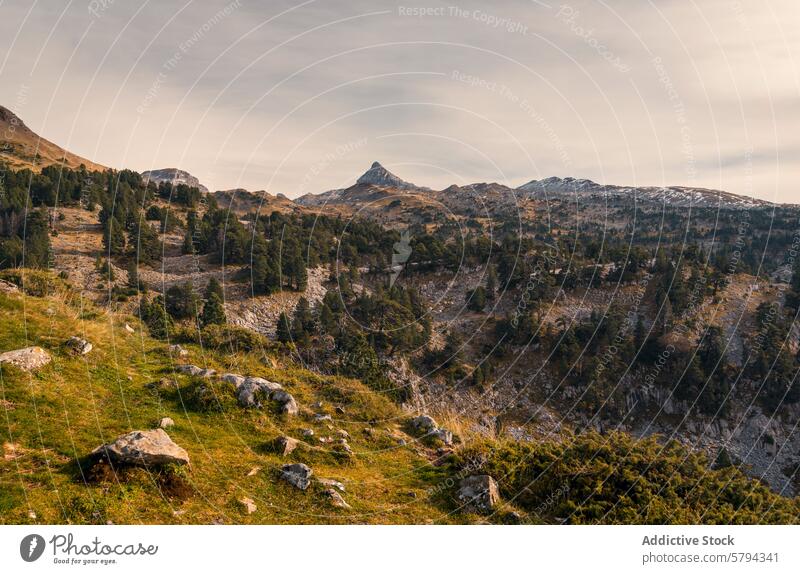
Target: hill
22, 148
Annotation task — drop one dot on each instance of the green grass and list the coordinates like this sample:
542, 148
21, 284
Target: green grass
55, 416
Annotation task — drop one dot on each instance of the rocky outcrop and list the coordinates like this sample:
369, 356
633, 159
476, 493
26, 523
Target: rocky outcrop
478, 493
26, 359
298, 475
177, 351
426, 426
336, 499
144, 448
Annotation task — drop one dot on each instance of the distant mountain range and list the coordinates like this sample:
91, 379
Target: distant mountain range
379, 190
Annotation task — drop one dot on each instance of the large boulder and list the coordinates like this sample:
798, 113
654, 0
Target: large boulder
252, 390
286, 401
298, 475
78, 346
234, 379
144, 448
26, 359
479, 493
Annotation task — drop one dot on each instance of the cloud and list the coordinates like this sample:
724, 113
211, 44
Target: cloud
629, 92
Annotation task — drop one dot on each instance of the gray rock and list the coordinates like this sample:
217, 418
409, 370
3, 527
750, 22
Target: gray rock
284, 445
320, 418
443, 435
235, 380
248, 505
287, 402
423, 423
479, 493
330, 483
196, 371
129, 329
336, 498
26, 359
148, 448
178, 351
298, 475
166, 423
253, 389
308, 432
78, 346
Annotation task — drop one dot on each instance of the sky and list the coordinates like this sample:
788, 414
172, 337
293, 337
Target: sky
302, 96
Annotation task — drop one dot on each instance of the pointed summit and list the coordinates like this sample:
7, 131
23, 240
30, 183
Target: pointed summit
382, 177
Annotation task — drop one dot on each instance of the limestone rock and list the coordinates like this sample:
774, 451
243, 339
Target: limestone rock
248, 504
284, 445
336, 498
298, 475
235, 380
287, 402
165, 423
148, 448
320, 418
26, 359
479, 493
443, 435
196, 371
78, 346
423, 423
330, 483
250, 392
178, 351
129, 329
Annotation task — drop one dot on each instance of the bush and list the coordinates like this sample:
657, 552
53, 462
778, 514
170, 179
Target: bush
232, 338
35, 282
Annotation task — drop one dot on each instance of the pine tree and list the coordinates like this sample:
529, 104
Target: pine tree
491, 282
213, 311
283, 331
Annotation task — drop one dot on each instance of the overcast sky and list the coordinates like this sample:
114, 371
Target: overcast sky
297, 97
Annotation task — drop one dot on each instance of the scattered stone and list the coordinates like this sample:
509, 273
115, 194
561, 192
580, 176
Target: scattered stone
166, 423
317, 406
254, 471
26, 359
148, 448
320, 417
129, 329
443, 435
368, 431
308, 432
424, 424
163, 384
287, 402
298, 475
339, 410
8, 287
253, 389
329, 482
412, 494
336, 498
343, 433
78, 346
196, 371
479, 493
402, 442
344, 446
178, 351
248, 504
284, 445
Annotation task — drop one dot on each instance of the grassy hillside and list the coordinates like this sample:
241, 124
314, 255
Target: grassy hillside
55, 416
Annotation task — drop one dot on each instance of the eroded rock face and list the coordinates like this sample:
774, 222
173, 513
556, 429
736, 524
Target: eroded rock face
78, 346
479, 493
27, 359
144, 448
298, 475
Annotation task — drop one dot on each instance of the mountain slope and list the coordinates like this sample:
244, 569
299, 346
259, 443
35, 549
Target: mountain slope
22, 148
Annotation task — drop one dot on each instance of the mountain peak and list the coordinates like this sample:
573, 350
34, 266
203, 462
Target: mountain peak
382, 177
